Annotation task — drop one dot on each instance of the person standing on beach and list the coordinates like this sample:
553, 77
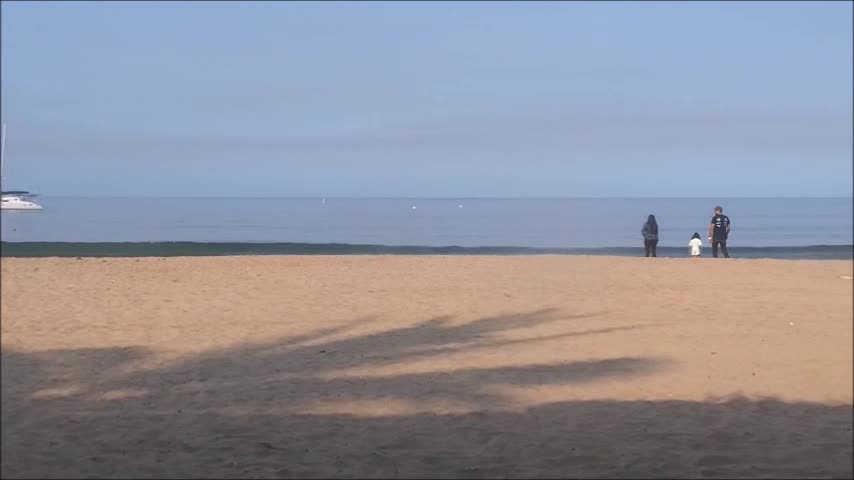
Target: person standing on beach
650, 236
695, 244
719, 232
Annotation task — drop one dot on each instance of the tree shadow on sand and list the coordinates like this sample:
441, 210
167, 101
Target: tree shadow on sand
241, 412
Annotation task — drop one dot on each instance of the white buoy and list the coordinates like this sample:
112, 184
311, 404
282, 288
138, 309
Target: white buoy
461, 205
413, 207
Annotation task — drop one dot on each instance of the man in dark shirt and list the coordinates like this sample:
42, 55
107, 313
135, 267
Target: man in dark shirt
718, 232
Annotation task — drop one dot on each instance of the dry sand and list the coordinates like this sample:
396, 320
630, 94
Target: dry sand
545, 366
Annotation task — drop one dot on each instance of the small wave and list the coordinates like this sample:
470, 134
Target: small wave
194, 249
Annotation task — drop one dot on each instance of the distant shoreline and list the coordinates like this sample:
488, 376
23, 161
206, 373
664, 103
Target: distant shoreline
205, 249
317, 197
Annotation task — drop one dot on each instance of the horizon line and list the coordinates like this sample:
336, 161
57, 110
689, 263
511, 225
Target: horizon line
547, 197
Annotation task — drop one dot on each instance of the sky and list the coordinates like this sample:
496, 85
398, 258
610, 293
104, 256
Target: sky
432, 99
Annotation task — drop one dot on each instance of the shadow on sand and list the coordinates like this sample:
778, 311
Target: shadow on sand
241, 413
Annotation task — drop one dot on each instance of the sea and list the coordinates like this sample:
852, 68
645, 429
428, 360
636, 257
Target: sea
795, 228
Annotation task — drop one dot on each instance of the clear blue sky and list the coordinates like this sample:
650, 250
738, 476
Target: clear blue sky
429, 99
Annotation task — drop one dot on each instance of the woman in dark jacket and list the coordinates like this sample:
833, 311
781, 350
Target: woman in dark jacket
650, 235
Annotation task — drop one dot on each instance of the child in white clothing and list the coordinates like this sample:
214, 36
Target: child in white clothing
695, 245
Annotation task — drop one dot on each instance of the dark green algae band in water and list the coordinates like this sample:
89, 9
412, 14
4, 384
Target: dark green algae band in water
194, 249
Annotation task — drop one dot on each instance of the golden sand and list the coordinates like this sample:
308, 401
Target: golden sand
371, 366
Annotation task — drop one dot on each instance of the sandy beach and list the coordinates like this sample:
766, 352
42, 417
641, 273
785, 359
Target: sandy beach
439, 367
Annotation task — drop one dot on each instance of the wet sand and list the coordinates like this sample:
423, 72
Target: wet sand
474, 367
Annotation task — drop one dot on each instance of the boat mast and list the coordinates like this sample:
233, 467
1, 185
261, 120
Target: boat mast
2, 156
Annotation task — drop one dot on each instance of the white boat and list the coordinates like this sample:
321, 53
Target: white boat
17, 200
14, 202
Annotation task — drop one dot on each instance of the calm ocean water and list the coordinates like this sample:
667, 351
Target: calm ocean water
550, 224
